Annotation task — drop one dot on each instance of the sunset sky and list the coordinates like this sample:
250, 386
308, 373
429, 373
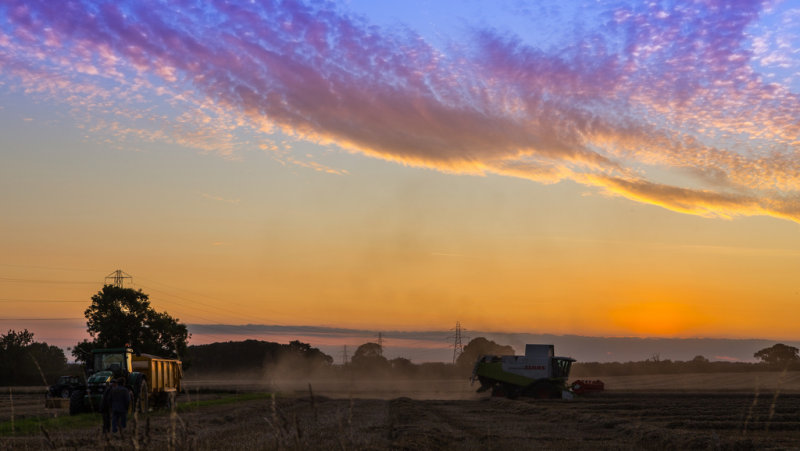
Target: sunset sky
595, 168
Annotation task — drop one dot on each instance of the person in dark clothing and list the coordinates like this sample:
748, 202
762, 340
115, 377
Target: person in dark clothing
105, 406
120, 401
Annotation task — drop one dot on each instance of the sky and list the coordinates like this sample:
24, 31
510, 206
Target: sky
587, 168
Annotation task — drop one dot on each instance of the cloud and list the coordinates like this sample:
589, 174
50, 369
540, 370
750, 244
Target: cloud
220, 199
650, 91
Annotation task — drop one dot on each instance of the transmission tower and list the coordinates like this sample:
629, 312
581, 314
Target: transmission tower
344, 356
380, 342
458, 346
118, 278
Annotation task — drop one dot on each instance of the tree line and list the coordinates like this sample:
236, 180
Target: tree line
256, 356
699, 364
122, 317
24, 361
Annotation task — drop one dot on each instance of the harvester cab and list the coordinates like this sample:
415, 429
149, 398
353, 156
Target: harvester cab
538, 373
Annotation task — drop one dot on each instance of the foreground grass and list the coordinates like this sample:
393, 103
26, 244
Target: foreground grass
31, 426
34, 425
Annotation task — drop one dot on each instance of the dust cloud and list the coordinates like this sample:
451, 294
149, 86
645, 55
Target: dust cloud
337, 382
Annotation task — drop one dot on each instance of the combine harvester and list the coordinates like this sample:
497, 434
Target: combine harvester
538, 373
154, 381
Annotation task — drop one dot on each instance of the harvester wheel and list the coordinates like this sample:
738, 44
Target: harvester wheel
486, 384
142, 403
544, 390
76, 402
498, 391
512, 391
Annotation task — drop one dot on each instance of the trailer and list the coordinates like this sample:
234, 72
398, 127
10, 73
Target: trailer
162, 378
154, 381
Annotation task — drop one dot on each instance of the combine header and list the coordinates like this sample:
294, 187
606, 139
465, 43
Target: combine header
538, 373
586, 387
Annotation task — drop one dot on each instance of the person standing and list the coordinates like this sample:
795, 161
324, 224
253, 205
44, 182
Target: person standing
105, 406
120, 401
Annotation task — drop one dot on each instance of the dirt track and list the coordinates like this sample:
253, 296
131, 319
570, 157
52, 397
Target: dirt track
610, 421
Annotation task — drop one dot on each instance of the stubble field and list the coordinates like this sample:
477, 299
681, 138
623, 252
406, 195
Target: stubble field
649, 412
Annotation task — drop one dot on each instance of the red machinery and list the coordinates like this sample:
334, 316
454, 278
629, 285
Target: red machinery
583, 387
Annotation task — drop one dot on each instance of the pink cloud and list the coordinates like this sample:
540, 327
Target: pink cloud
656, 88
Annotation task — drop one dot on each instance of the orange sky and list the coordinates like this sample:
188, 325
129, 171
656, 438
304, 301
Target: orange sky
504, 168
419, 256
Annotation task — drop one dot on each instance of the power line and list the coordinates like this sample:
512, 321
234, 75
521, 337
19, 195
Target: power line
194, 305
50, 268
39, 319
37, 300
10, 279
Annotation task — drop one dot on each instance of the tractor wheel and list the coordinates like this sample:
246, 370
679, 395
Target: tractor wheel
76, 402
65, 393
142, 401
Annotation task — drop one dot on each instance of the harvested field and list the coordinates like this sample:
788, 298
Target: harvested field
617, 419
788, 382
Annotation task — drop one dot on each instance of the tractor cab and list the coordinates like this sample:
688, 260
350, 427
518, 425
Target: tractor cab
107, 364
118, 361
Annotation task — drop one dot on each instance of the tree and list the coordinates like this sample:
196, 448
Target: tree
120, 317
699, 359
369, 356
300, 358
778, 354
476, 348
402, 366
14, 340
27, 362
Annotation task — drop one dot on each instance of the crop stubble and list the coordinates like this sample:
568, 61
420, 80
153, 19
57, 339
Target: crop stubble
613, 420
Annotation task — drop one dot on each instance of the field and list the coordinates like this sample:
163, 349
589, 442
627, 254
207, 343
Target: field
730, 411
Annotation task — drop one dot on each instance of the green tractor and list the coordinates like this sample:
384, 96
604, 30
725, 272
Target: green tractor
538, 373
153, 380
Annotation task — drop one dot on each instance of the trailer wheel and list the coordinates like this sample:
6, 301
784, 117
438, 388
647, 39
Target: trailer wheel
76, 402
142, 403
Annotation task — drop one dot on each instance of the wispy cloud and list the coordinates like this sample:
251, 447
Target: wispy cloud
658, 90
220, 199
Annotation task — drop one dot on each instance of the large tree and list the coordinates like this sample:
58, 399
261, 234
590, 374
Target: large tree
779, 354
121, 317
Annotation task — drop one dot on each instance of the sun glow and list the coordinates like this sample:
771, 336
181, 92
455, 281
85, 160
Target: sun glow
656, 318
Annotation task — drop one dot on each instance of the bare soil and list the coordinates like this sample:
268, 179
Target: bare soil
758, 417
